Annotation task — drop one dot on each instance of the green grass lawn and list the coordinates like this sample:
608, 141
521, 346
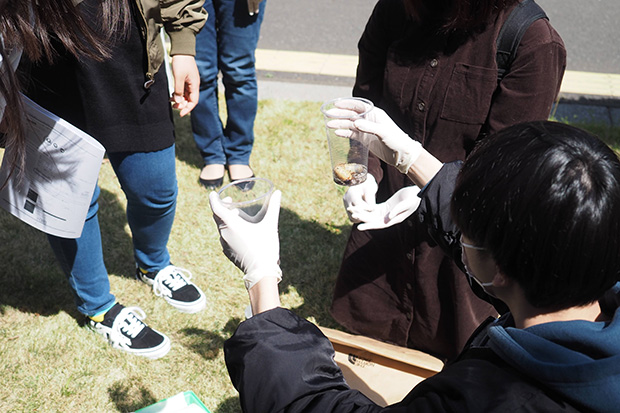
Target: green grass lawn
50, 363
610, 135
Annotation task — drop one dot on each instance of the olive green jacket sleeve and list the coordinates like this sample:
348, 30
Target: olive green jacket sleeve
182, 20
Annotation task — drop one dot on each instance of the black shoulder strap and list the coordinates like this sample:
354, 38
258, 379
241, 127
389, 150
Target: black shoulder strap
526, 13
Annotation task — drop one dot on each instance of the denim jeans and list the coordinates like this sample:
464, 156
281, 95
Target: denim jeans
149, 182
227, 44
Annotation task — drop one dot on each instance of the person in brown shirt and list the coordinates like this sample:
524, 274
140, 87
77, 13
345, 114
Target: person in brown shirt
431, 65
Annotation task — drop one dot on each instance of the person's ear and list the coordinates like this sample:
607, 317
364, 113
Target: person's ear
500, 280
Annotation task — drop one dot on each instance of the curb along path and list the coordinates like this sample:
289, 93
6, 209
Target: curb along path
584, 96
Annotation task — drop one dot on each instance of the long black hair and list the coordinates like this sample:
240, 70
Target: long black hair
449, 16
32, 25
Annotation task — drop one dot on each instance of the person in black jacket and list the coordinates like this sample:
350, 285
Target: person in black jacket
532, 217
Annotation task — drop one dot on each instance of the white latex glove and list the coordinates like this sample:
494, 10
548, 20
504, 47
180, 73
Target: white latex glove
393, 211
253, 247
253, 6
378, 132
362, 196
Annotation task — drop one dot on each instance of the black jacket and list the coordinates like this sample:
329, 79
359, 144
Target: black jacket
281, 363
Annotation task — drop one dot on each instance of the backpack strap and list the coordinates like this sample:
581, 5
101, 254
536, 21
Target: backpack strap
519, 20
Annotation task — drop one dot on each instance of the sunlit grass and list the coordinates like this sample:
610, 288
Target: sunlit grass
49, 362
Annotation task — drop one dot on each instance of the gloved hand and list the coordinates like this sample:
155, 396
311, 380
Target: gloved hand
361, 197
393, 211
253, 247
378, 132
253, 6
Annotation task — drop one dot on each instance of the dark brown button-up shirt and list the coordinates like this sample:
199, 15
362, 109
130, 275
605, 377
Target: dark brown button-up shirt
393, 284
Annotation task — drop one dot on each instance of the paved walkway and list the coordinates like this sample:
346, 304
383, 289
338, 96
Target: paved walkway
584, 96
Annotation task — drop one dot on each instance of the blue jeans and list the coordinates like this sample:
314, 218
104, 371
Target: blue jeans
227, 44
150, 185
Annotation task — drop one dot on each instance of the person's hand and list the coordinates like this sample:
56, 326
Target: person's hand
391, 212
361, 197
378, 132
253, 6
253, 247
186, 83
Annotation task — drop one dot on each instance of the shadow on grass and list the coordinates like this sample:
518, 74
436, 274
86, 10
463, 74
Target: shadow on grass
310, 256
31, 278
130, 395
230, 405
186, 150
117, 242
208, 344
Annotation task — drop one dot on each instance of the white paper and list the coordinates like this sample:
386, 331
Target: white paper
54, 190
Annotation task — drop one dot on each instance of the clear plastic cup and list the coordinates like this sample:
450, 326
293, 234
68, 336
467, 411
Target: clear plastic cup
250, 196
349, 158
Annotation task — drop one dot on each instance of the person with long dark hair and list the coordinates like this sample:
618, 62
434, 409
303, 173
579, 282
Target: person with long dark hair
545, 251
124, 102
431, 65
29, 27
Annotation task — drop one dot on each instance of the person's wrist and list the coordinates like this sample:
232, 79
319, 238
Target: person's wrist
424, 169
252, 277
409, 155
264, 295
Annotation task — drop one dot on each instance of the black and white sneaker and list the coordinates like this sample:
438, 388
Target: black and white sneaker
124, 330
173, 284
